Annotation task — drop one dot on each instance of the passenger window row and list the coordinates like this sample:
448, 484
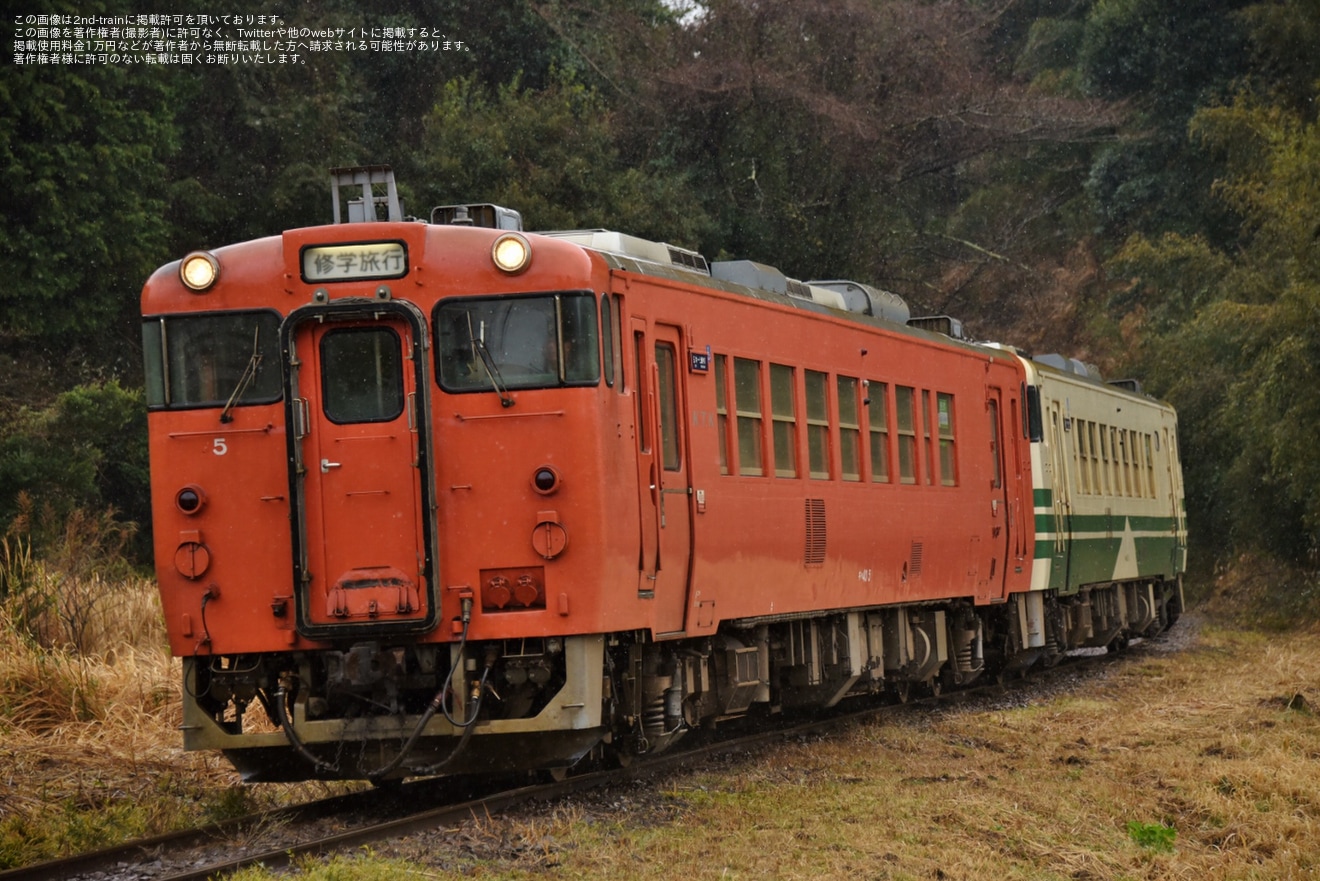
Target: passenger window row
1112, 461
843, 423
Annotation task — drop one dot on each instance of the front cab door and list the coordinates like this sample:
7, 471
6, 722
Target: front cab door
360, 471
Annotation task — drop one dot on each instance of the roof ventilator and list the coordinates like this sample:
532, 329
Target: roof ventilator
484, 215
947, 325
635, 248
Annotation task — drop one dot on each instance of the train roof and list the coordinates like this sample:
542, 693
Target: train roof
1072, 371
840, 298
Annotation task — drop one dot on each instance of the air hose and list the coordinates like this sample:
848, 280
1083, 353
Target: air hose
436, 705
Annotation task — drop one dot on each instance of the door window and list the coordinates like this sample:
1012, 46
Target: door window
361, 375
665, 362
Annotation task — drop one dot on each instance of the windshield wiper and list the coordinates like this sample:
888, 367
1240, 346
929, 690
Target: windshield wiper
244, 381
488, 363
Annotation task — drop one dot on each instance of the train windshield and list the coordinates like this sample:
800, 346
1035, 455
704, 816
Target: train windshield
498, 343
223, 359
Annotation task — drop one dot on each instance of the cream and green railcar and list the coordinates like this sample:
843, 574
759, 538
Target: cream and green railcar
1111, 533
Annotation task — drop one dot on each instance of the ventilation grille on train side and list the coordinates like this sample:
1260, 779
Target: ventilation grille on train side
815, 547
914, 563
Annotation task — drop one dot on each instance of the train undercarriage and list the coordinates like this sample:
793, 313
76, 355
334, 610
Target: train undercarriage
381, 712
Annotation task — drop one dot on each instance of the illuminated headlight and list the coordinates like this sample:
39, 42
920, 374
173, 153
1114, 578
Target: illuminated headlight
511, 252
199, 270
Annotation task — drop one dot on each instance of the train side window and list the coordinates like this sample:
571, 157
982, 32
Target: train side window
877, 418
1104, 461
785, 423
1095, 458
1131, 470
665, 361
927, 450
1121, 476
617, 342
607, 338
1150, 469
997, 474
850, 429
1083, 456
1113, 459
1076, 442
722, 410
1034, 425
1134, 454
948, 453
747, 399
1139, 465
905, 401
818, 425
361, 375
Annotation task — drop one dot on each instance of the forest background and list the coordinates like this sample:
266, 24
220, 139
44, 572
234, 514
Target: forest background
1135, 183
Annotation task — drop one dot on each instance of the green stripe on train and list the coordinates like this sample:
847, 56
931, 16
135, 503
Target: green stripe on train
1089, 524
1097, 560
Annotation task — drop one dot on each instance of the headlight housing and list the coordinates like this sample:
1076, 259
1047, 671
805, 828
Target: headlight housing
511, 252
199, 270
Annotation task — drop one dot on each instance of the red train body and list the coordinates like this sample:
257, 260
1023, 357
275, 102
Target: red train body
417, 512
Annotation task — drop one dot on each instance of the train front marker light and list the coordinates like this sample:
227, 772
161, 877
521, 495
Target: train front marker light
190, 499
199, 270
545, 480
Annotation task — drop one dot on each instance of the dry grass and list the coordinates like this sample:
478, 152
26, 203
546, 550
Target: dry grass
90, 751
1198, 764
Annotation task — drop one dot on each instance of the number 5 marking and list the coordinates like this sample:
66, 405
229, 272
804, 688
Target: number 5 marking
219, 447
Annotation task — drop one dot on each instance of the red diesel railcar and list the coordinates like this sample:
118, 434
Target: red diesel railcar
447, 497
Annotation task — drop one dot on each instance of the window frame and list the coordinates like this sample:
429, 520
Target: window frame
878, 437
750, 422
783, 378
816, 385
444, 355
947, 442
158, 388
907, 437
328, 365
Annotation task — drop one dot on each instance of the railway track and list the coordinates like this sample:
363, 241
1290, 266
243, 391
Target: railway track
280, 837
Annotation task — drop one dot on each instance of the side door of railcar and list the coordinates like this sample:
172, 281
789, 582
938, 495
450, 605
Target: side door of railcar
1061, 496
1001, 511
360, 469
664, 471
